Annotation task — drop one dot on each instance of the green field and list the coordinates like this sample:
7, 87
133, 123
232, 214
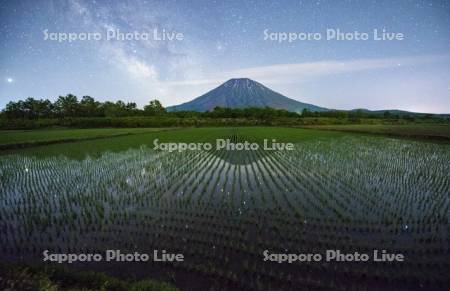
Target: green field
222, 209
429, 131
11, 139
141, 137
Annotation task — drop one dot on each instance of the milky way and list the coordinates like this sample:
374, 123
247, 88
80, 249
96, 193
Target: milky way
220, 40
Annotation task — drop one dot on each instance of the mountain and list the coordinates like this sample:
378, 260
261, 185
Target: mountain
241, 93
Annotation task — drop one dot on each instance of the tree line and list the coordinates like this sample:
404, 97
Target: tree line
70, 106
360, 114
262, 113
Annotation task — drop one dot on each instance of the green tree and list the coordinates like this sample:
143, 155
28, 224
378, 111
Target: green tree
89, 107
30, 108
14, 109
306, 112
154, 107
67, 106
110, 109
131, 109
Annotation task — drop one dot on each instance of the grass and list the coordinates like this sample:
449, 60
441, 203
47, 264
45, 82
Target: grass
24, 277
116, 142
428, 131
18, 136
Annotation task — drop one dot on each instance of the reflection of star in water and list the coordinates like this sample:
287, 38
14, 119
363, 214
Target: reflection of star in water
9, 80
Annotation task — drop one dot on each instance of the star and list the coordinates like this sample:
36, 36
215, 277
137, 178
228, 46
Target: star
9, 80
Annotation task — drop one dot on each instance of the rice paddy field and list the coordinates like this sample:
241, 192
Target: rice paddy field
438, 131
223, 209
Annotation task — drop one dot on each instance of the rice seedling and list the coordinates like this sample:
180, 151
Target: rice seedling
223, 209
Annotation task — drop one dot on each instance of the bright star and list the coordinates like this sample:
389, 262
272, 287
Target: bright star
220, 46
9, 80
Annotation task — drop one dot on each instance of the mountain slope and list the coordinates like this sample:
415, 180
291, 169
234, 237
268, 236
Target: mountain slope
242, 93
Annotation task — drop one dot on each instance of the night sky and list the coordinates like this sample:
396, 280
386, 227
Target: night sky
226, 39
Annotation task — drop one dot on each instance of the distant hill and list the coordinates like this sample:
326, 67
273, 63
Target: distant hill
242, 93
398, 112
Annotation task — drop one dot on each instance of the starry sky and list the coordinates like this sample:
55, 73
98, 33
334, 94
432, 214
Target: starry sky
226, 39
